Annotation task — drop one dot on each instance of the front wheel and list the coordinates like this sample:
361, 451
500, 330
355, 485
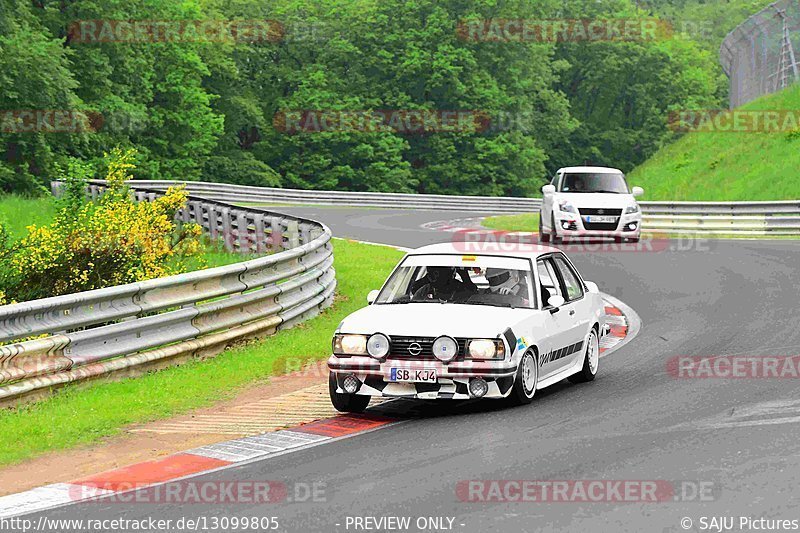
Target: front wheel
346, 403
543, 237
526, 381
591, 359
554, 233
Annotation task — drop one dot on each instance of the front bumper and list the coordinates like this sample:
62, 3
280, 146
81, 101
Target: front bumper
453, 378
575, 225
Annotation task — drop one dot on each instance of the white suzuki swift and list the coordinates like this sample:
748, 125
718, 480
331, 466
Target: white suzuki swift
589, 202
453, 324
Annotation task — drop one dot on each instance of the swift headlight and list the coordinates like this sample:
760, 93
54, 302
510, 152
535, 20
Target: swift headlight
632, 209
349, 344
486, 349
445, 349
378, 346
566, 207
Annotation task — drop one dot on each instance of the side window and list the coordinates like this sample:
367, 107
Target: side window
548, 280
572, 283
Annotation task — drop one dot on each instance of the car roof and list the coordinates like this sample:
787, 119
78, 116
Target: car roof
493, 248
596, 170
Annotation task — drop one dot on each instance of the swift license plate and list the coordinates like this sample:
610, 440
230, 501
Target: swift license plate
600, 219
407, 375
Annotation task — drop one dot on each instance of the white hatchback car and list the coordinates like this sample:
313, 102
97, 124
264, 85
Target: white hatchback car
589, 202
454, 324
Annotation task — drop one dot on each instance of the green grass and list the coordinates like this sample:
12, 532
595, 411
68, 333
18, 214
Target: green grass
16, 213
526, 222
728, 166
86, 414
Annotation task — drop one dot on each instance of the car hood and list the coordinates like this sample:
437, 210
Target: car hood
601, 200
433, 319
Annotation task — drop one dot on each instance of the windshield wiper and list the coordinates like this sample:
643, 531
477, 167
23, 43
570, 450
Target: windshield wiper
608, 192
492, 304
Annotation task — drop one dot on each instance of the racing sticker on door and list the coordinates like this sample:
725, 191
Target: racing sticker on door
561, 352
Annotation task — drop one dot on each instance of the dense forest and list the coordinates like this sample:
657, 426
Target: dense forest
215, 108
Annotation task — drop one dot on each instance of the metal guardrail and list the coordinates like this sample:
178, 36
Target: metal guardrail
242, 194
156, 323
745, 218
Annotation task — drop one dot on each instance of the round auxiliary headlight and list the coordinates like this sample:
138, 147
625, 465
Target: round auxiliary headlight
445, 349
478, 387
351, 384
378, 345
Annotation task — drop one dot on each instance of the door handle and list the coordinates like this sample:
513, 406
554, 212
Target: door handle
571, 312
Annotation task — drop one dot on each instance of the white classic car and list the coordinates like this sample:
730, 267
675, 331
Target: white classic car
452, 324
589, 202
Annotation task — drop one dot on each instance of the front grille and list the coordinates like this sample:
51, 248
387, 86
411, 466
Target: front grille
600, 226
599, 211
400, 345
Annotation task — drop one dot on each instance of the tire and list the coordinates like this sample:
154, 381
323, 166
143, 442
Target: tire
554, 238
591, 358
346, 403
522, 393
543, 237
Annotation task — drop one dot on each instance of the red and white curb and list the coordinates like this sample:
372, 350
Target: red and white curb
624, 325
198, 461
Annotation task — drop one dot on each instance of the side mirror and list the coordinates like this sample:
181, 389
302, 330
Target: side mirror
637, 191
372, 296
555, 302
548, 189
592, 287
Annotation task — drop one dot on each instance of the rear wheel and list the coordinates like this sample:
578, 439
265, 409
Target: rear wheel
543, 237
526, 381
346, 403
591, 359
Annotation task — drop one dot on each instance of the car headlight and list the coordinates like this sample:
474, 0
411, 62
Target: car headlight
349, 344
445, 349
566, 207
486, 349
378, 345
632, 209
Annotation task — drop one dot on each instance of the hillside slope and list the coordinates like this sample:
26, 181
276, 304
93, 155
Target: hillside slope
727, 165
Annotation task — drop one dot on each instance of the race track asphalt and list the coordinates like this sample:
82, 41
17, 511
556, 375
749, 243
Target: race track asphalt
736, 439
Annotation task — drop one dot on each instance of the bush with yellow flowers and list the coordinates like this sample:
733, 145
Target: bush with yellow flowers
91, 245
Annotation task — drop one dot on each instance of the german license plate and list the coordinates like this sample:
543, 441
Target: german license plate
598, 218
408, 375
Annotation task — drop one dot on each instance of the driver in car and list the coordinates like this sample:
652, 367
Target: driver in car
440, 283
506, 282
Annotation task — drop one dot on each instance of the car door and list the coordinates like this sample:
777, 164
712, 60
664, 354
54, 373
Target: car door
577, 307
558, 323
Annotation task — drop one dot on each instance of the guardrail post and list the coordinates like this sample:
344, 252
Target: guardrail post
293, 233
276, 234
243, 232
227, 235
260, 234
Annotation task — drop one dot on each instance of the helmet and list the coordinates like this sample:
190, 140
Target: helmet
502, 278
439, 273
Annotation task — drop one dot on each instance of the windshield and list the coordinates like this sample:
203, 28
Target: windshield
499, 282
595, 182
